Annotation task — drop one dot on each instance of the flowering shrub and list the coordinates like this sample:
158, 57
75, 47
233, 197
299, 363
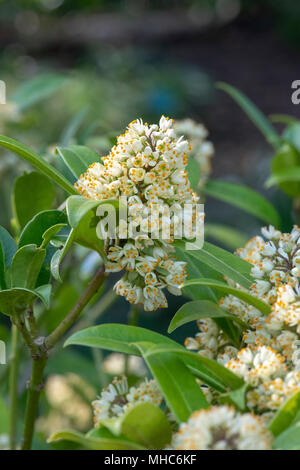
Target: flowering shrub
235, 384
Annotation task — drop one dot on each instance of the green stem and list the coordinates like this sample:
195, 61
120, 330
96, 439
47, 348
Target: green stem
33, 396
13, 387
84, 299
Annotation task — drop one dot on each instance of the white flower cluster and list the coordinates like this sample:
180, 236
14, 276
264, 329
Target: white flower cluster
117, 398
222, 428
270, 362
202, 150
147, 167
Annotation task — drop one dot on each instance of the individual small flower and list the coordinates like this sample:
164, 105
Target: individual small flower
117, 398
257, 364
222, 428
147, 166
201, 149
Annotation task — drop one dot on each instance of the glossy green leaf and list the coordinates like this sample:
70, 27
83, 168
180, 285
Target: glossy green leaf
244, 198
195, 310
194, 173
222, 261
123, 338
178, 385
201, 363
34, 231
287, 159
94, 443
145, 424
33, 192
291, 174
78, 158
17, 299
256, 116
37, 89
60, 254
245, 296
237, 397
26, 266
197, 270
51, 232
292, 132
285, 415
115, 337
35, 160
78, 206
289, 439
8, 245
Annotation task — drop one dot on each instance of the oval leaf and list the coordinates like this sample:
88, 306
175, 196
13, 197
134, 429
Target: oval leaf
94, 443
222, 261
33, 192
192, 311
245, 296
178, 385
244, 198
285, 415
35, 160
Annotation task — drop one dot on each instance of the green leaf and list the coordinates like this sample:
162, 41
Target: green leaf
144, 424
289, 439
222, 261
256, 116
50, 233
245, 296
17, 299
179, 387
78, 158
291, 174
60, 254
195, 310
200, 363
194, 173
244, 198
292, 133
116, 337
285, 415
78, 206
236, 397
8, 245
26, 266
196, 270
35, 230
124, 338
94, 443
3, 284
33, 192
37, 89
35, 160
227, 236
286, 160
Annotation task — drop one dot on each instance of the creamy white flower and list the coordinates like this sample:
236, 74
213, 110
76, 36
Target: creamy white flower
148, 166
117, 398
222, 428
